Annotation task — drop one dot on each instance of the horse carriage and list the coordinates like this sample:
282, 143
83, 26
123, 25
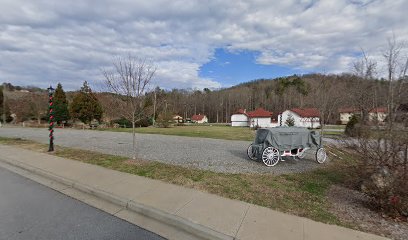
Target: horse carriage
272, 144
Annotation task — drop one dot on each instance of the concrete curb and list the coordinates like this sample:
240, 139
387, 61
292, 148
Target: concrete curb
177, 222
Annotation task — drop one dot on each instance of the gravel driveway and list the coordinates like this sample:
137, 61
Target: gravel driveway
203, 153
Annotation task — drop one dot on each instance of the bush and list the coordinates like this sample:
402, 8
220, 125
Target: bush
165, 120
352, 127
123, 122
383, 171
144, 122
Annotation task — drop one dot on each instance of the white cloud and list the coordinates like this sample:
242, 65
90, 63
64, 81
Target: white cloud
43, 42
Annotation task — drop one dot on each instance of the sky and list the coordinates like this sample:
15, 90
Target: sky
193, 43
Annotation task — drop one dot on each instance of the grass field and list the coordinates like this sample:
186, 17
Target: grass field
302, 194
217, 132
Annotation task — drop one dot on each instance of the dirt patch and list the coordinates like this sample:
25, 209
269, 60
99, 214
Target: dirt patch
351, 207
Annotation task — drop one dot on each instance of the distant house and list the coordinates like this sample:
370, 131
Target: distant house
258, 118
376, 114
303, 117
240, 119
198, 118
347, 113
177, 119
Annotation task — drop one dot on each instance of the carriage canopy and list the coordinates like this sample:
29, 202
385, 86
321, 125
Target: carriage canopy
287, 138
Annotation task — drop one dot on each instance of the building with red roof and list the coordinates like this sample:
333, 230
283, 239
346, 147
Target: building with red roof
375, 114
198, 118
346, 113
257, 118
302, 117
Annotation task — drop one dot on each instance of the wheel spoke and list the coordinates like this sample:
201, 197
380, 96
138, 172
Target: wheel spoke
270, 156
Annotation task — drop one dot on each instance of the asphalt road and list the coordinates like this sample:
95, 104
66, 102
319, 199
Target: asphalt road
203, 153
29, 210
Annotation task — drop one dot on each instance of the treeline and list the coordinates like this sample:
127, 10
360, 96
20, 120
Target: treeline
328, 93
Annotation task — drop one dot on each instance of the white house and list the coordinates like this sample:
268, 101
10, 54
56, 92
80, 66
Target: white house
346, 114
177, 119
198, 118
239, 119
258, 118
376, 114
303, 117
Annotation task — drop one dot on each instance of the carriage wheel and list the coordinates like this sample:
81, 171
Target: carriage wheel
270, 156
302, 154
321, 155
250, 153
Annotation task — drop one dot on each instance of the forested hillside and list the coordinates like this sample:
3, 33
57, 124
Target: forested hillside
328, 93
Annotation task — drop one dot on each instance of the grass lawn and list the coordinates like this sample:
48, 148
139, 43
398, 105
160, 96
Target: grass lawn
335, 127
217, 132
302, 194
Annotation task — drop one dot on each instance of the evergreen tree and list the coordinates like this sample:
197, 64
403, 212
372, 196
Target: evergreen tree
290, 121
60, 102
352, 128
85, 106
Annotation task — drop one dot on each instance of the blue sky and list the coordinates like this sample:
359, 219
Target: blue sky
194, 44
231, 68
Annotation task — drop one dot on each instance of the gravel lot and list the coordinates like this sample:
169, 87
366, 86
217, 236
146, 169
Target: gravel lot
203, 153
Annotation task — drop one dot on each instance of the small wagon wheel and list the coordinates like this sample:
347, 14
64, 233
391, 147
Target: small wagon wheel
270, 156
321, 155
250, 153
302, 154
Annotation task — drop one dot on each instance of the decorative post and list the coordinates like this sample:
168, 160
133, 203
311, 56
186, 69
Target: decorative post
280, 119
51, 118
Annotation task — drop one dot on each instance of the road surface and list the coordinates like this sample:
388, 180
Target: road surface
29, 210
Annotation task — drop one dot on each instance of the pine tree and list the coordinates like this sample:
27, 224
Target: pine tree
290, 121
60, 102
85, 106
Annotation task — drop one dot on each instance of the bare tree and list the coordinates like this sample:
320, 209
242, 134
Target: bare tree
39, 104
365, 69
130, 80
397, 68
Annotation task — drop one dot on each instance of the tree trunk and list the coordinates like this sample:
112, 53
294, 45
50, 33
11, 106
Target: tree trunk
134, 137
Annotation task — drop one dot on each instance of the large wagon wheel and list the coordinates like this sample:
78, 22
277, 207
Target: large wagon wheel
270, 156
321, 155
250, 154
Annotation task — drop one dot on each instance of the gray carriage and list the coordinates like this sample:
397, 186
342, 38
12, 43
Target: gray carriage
271, 144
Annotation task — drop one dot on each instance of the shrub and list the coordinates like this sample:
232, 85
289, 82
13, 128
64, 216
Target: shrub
123, 122
352, 127
144, 122
164, 120
383, 171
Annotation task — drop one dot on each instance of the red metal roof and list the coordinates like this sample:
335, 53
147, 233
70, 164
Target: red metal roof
306, 112
260, 112
197, 117
379, 110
